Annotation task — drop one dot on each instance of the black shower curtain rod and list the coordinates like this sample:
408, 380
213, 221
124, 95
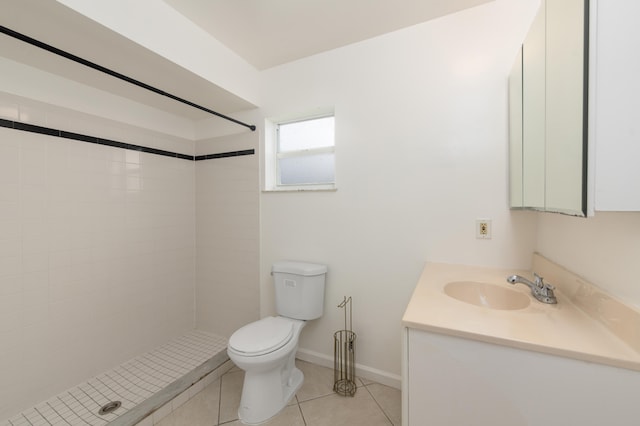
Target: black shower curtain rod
115, 74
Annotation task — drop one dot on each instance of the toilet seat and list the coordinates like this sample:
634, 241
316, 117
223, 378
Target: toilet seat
262, 337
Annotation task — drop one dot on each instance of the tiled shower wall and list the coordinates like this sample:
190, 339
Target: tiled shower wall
227, 241
97, 250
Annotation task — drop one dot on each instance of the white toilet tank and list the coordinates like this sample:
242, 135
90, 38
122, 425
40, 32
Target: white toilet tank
299, 289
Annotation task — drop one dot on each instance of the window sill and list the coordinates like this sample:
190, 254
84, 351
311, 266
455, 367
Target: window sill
305, 188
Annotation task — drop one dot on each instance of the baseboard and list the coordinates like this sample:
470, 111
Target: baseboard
362, 371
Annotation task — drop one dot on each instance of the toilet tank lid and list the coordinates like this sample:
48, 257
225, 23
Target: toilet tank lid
299, 268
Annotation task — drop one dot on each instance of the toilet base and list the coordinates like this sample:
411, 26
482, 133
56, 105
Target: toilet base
264, 396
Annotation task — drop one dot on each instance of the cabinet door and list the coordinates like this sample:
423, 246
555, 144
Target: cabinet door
515, 134
554, 111
533, 113
445, 389
566, 78
617, 106
455, 381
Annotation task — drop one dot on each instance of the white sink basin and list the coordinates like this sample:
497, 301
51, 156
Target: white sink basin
487, 295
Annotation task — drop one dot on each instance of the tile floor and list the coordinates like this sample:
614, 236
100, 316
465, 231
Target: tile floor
315, 404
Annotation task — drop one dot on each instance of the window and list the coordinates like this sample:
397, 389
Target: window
303, 155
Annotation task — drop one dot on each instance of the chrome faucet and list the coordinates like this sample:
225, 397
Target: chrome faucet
539, 289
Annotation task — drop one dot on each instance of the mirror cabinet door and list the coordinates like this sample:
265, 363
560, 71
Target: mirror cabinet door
548, 128
566, 78
515, 134
533, 113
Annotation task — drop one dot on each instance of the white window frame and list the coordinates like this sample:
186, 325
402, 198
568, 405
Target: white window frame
272, 155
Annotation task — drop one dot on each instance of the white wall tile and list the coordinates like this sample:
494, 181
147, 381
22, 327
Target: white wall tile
9, 110
11, 312
227, 220
10, 283
147, 421
32, 115
199, 385
96, 260
162, 412
9, 162
9, 192
180, 399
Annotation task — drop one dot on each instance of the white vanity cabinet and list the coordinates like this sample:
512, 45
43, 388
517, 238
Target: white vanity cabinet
615, 114
450, 381
469, 361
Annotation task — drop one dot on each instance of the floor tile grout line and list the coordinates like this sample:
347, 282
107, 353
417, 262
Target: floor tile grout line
317, 397
42, 415
49, 412
142, 379
118, 394
83, 405
175, 357
110, 390
132, 384
378, 404
187, 348
220, 397
95, 388
172, 353
300, 410
57, 413
151, 370
27, 419
73, 411
89, 396
155, 359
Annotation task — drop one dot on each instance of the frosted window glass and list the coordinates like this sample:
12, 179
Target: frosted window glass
308, 134
310, 169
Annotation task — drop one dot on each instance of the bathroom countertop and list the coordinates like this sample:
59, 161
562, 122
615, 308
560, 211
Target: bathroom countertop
562, 329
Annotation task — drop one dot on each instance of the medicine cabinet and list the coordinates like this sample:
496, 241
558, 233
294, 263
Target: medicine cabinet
548, 107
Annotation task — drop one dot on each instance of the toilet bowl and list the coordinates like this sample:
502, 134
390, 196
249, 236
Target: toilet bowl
266, 349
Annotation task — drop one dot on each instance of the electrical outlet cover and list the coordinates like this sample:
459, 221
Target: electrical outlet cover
483, 229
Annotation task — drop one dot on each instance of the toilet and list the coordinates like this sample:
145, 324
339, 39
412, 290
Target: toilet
266, 349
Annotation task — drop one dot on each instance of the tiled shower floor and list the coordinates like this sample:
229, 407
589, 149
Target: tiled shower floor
142, 384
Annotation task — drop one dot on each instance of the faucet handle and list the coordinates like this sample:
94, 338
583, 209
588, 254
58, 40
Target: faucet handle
539, 281
541, 284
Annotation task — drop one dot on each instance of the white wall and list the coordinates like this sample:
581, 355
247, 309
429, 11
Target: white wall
604, 249
227, 239
421, 143
97, 244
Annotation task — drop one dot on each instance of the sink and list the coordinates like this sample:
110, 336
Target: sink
487, 295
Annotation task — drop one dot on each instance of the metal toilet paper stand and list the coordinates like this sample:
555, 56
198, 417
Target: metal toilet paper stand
344, 355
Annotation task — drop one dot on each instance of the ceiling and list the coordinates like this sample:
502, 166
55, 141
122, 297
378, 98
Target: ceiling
61, 27
267, 33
